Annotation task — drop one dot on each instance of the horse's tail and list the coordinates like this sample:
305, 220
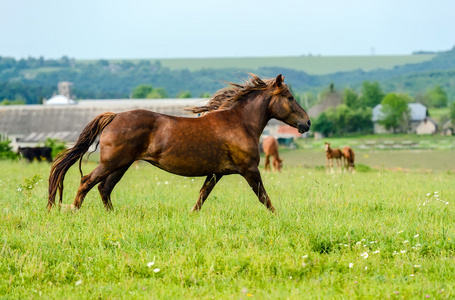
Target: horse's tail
66, 159
352, 156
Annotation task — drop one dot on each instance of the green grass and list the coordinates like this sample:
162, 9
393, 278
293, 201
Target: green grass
234, 248
317, 65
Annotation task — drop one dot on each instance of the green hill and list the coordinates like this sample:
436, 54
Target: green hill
31, 79
314, 65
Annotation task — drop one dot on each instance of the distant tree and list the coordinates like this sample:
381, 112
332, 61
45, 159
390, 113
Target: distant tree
157, 93
351, 99
103, 63
6, 149
56, 145
205, 95
141, 91
184, 94
359, 120
323, 124
396, 112
372, 94
437, 97
452, 112
12, 102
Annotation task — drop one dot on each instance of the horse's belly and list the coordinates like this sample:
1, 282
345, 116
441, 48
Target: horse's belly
194, 167
200, 163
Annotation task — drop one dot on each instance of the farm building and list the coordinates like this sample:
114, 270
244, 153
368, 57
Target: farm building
427, 126
418, 115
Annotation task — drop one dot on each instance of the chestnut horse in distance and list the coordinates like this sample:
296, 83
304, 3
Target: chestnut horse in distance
221, 142
332, 154
270, 147
348, 158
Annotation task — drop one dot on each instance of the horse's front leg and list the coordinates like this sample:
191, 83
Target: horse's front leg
207, 187
253, 177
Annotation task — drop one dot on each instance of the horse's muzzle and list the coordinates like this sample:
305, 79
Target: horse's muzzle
302, 127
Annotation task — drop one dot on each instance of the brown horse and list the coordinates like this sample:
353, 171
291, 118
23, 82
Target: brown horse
348, 158
332, 154
221, 142
270, 147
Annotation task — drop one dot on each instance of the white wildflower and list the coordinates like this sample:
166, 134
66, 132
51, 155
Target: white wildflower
417, 235
428, 194
364, 254
150, 264
403, 251
156, 270
305, 256
401, 231
377, 251
406, 241
351, 265
79, 282
417, 266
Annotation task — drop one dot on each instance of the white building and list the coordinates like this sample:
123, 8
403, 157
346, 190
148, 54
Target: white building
418, 113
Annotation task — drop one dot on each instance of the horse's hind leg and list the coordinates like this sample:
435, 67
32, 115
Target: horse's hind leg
88, 182
267, 163
107, 185
207, 187
253, 177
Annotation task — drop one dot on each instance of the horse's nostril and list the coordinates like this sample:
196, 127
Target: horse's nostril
308, 123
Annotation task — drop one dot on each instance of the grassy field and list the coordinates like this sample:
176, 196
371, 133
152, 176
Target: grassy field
317, 65
379, 234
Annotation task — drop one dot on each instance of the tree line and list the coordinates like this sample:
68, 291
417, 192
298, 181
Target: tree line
353, 114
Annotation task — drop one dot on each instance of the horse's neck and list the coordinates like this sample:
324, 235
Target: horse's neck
253, 112
277, 155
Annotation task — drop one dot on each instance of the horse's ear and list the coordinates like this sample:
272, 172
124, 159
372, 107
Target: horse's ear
279, 80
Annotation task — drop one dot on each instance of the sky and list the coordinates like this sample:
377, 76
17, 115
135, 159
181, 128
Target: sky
150, 29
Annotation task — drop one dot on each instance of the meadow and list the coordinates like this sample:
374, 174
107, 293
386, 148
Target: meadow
369, 235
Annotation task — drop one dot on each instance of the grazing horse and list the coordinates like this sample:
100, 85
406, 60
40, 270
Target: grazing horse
332, 154
223, 141
348, 158
40, 153
270, 147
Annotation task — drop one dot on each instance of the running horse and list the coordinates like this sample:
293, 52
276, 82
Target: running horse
332, 154
348, 158
223, 141
270, 147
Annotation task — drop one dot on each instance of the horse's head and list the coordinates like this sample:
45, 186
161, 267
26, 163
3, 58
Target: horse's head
327, 146
278, 164
285, 108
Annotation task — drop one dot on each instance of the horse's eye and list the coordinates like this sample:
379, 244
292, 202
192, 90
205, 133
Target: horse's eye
290, 98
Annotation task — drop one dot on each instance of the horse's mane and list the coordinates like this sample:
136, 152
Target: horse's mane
225, 98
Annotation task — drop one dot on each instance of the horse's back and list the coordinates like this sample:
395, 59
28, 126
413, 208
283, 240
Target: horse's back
348, 153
